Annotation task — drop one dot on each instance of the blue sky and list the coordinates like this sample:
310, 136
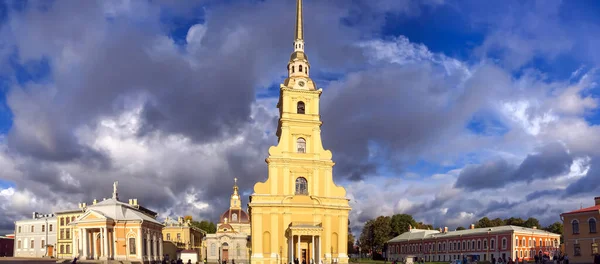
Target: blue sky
427, 98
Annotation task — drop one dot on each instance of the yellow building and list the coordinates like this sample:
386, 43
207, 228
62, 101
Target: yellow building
113, 230
580, 233
64, 232
181, 235
299, 212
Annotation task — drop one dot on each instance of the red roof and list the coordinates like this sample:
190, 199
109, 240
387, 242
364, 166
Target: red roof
583, 210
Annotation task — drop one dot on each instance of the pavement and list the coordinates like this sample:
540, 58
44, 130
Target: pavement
26, 260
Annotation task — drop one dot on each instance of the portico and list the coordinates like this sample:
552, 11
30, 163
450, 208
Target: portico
304, 242
113, 230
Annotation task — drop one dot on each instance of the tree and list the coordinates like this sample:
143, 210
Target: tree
420, 225
531, 222
497, 222
557, 228
514, 221
350, 239
484, 222
400, 224
366, 236
207, 226
382, 230
460, 228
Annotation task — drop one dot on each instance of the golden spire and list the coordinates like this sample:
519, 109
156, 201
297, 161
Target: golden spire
299, 25
235, 187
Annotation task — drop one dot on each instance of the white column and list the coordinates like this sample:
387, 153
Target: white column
290, 249
319, 245
160, 248
114, 243
299, 238
84, 241
312, 249
94, 247
154, 247
73, 245
102, 250
140, 240
106, 249
148, 246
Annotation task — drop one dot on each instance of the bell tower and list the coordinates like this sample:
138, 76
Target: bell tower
299, 213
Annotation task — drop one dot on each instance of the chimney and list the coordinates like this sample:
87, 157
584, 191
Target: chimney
135, 202
597, 200
35, 215
472, 226
130, 201
445, 229
441, 230
95, 201
84, 205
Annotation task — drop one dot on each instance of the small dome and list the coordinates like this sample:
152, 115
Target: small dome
298, 55
236, 216
225, 227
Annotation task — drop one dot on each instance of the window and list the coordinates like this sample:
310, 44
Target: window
62, 221
300, 68
485, 244
594, 248
178, 236
523, 242
62, 249
212, 249
67, 221
516, 242
68, 248
478, 244
301, 145
575, 226
68, 233
168, 237
19, 244
32, 244
592, 223
300, 108
292, 69
50, 228
576, 250
62, 234
473, 244
42, 244
72, 218
43, 228
504, 243
301, 186
234, 217
463, 245
19, 229
145, 247
132, 245
535, 244
32, 229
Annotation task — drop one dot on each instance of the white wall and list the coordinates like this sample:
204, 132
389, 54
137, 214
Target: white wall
25, 236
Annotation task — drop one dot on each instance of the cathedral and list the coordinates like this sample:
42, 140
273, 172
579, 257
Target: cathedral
299, 215
231, 241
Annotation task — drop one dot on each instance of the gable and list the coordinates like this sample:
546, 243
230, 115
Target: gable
91, 216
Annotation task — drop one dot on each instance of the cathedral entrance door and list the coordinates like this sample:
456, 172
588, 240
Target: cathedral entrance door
304, 258
226, 255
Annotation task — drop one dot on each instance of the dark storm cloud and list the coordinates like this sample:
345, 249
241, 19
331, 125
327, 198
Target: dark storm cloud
543, 193
552, 160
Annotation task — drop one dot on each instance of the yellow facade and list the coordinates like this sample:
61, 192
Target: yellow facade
299, 212
64, 233
580, 233
180, 235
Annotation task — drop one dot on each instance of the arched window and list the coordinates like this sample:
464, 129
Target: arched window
504, 243
575, 226
301, 145
292, 69
592, 223
492, 243
300, 68
301, 186
234, 217
300, 108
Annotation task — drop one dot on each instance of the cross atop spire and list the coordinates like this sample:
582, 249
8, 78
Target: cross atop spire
235, 187
299, 24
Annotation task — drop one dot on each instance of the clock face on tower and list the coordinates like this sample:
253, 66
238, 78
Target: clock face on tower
301, 84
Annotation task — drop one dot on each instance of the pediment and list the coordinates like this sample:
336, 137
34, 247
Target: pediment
91, 216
